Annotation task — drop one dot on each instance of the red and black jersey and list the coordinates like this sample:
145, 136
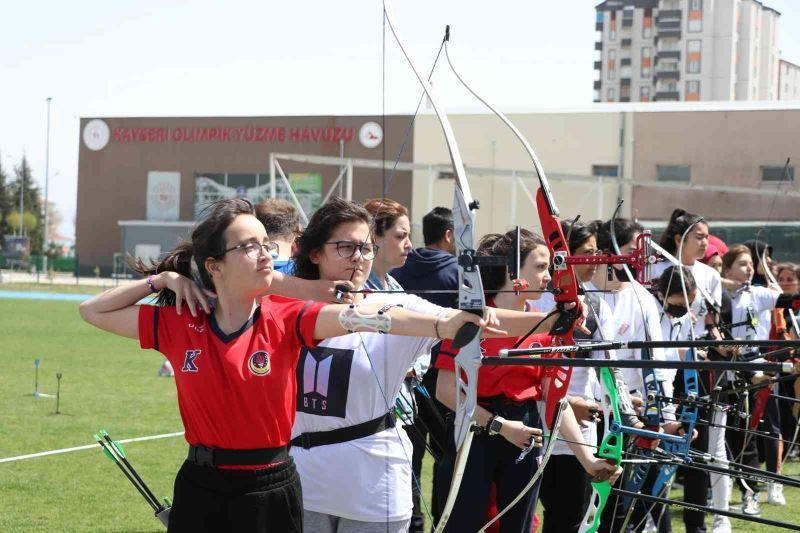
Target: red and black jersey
235, 391
517, 383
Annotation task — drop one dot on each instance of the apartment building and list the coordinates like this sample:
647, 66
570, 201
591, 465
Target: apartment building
788, 81
686, 50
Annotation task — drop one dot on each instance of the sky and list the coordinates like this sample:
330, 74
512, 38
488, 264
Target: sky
316, 57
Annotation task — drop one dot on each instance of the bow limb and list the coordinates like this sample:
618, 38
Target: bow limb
564, 280
470, 295
610, 449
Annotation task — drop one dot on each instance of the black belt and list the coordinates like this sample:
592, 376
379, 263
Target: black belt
334, 436
202, 456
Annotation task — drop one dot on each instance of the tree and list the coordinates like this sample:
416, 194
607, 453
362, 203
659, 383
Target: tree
5, 204
31, 200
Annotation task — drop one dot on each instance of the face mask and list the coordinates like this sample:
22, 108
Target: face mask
676, 311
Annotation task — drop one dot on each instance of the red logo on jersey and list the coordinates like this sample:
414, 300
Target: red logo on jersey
259, 363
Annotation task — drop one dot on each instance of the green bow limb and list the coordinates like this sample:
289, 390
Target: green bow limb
610, 449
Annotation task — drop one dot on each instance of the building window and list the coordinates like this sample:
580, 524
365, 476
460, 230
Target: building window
694, 50
607, 171
625, 72
693, 90
647, 23
695, 23
625, 93
611, 95
210, 187
674, 172
777, 174
644, 94
612, 64
612, 26
647, 60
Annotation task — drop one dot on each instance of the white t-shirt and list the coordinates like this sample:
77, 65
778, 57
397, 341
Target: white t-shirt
760, 301
340, 385
632, 312
583, 382
706, 278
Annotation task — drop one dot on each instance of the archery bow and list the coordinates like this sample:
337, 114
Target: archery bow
470, 295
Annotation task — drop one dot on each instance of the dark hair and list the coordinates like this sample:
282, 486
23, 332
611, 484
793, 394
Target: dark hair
323, 223
493, 277
577, 233
624, 230
384, 212
678, 223
670, 281
280, 218
758, 249
207, 241
435, 224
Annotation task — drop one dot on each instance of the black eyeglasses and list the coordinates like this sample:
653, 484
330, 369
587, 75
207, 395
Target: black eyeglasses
347, 249
255, 250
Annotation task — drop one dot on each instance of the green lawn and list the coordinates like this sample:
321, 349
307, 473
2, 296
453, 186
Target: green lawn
108, 382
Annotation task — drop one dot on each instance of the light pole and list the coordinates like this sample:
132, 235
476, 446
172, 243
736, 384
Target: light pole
46, 184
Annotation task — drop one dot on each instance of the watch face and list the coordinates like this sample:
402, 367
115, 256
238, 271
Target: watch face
495, 427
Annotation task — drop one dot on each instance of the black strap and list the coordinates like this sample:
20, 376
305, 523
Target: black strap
202, 456
335, 436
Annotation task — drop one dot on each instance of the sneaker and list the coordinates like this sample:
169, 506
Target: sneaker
650, 525
775, 493
750, 503
721, 525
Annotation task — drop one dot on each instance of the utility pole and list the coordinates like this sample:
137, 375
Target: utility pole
46, 184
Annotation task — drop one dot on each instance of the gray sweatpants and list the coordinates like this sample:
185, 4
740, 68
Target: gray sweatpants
325, 523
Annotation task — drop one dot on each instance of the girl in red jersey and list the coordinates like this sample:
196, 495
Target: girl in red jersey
345, 434
507, 408
235, 366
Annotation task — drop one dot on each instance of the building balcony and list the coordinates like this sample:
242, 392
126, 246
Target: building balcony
667, 96
668, 75
668, 54
597, 84
626, 43
598, 45
668, 33
669, 14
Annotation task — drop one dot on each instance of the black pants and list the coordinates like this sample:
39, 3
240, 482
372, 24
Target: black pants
492, 460
428, 422
212, 499
564, 491
769, 449
788, 419
696, 482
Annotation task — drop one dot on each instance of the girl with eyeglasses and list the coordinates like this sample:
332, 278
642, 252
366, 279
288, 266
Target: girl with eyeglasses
235, 365
355, 463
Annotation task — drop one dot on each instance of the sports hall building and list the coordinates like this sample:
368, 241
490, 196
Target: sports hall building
142, 182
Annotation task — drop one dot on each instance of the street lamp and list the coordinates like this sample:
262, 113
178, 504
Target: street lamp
46, 184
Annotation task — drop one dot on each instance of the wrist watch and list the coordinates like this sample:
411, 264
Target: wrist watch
493, 426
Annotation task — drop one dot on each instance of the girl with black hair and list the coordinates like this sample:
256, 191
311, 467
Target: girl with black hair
693, 249
345, 433
507, 407
235, 365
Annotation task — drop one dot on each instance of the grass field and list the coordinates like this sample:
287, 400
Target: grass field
108, 382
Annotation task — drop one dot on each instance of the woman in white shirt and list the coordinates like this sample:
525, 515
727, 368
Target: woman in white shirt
355, 465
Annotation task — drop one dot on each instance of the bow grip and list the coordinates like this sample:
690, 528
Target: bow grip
468, 331
565, 321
